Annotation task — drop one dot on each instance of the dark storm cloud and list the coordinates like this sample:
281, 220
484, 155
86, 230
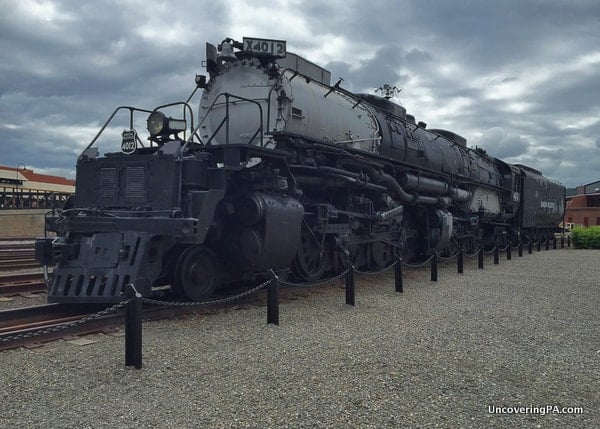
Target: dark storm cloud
503, 145
486, 33
571, 93
66, 65
382, 68
518, 78
555, 154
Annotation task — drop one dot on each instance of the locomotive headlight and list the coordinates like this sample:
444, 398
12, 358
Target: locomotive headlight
157, 123
160, 125
176, 125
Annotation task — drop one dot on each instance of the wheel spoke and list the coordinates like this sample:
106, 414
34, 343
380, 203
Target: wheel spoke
311, 262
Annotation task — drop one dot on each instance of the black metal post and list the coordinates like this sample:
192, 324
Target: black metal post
530, 247
520, 249
539, 245
434, 267
480, 258
569, 241
562, 242
554, 243
460, 262
350, 284
496, 255
547, 244
509, 252
398, 275
273, 300
133, 328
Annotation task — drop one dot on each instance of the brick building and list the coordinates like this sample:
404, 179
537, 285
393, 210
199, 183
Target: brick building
583, 208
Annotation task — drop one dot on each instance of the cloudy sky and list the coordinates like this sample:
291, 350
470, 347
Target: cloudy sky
519, 78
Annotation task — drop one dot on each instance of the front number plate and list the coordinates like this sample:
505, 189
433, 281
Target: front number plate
275, 48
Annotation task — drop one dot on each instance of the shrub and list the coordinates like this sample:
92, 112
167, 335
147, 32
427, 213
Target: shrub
586, 238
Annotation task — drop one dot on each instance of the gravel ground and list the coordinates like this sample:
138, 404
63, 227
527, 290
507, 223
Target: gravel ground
24, 300
523, 333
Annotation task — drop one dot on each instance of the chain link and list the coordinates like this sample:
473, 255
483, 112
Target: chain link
374, 273
422, 264
208, 302
472, 255
63, 326
449, 258
319, 283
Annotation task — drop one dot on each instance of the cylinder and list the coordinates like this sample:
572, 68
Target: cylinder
250, 209
423, 184
459, 195
428, 201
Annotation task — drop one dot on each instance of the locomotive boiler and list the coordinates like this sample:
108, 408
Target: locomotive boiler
279, 170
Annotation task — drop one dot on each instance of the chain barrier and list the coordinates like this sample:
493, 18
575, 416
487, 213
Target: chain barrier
449, 258
422, 264
63, 326
324, 282
208, 302
114, 308
375, 273
331, 280
472, 255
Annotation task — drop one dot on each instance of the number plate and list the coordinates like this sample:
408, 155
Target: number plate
275, 48
129, 141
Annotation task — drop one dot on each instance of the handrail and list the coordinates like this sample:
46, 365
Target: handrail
225, 120
110, 118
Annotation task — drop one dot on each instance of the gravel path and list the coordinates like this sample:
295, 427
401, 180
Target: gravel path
523, 333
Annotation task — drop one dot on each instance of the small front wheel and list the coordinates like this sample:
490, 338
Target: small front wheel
196, 273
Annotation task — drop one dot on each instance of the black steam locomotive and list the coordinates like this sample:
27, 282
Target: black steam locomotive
280, 171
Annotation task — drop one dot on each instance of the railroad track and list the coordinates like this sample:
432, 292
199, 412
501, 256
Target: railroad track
3, 240
17, 246
15, 284
18, 324
17, 254
13, 253
18, 264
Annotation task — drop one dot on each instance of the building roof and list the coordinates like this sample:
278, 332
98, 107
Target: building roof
29, 179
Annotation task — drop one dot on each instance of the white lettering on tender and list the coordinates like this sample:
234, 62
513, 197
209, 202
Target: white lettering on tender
548, 205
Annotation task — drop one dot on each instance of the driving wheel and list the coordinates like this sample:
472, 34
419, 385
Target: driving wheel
382, 255
311, 260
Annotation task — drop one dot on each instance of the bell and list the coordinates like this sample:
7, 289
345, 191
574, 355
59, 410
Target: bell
227, 52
